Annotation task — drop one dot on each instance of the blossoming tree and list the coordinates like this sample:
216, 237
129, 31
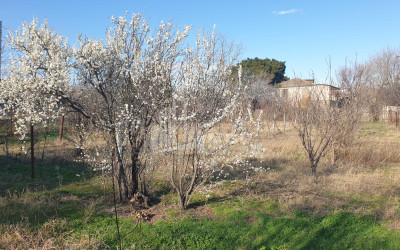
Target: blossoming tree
207, 115
38, 69
135, 83
131, 77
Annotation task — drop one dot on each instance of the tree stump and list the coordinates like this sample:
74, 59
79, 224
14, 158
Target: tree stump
140, 201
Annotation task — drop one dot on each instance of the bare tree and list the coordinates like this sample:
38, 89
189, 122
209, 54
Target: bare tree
384, 68
258, 89
316, 128
324, 123
384, 80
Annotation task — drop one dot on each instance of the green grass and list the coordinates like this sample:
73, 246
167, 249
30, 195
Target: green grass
15, 174
236, 228
240, 228
15, 140
374, 129
67, 199
238, 224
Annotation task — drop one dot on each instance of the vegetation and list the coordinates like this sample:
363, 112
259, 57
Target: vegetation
270, 68
351, 205
165, 148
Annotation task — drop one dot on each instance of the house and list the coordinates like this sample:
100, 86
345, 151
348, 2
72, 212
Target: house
299, 90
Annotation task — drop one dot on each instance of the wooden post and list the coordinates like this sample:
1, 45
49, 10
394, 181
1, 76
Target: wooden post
32, 153
284, 121
60, 134
274, 122
397, 119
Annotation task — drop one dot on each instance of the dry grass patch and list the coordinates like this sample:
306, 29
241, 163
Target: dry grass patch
365, 180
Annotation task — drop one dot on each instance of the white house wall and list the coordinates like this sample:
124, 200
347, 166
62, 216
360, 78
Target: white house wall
315, 92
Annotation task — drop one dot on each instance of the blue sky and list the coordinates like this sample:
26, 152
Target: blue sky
303, 33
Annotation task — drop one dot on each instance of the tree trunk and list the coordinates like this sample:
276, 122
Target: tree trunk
135, 172
335, 155
184, 197
60, 134
114, 198
144, 187
122, 180
182, 201
314, 169
32, 153
11, 123
123, 186
7, 154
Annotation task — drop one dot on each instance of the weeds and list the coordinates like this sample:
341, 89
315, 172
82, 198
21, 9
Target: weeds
351, 204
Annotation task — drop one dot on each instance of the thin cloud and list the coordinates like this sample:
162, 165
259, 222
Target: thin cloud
285, 12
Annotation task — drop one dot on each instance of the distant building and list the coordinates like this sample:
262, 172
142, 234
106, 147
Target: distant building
390, 114
305, 90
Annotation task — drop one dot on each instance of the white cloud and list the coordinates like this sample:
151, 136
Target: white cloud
284, 12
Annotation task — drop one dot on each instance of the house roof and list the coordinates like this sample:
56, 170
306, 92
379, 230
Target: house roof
327, 85
296, 82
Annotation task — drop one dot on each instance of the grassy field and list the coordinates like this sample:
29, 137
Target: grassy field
352, 204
